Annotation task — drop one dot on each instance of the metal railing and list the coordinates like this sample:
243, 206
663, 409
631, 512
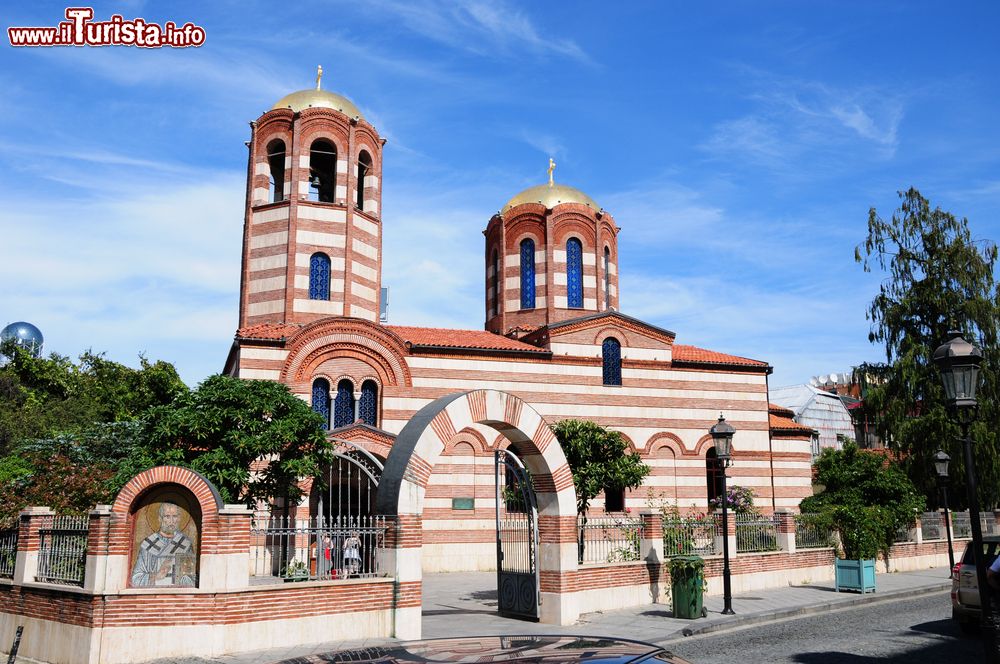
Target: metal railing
932, 526
809, 534
755, 534
902, 535
286, 549
62, 550
8, 551
689, 536
608, 539
962, 526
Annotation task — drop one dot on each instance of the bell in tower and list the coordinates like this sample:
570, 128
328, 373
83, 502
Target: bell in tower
312, 235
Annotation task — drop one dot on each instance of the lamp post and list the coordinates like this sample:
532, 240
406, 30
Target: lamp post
959, 363
722, 434
941, 466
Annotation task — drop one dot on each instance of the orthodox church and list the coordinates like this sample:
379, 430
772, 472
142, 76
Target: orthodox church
553, 335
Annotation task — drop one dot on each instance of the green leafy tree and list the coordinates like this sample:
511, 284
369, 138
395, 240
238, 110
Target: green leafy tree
599, 459
228, 425
41, 397
866, 497
938, 278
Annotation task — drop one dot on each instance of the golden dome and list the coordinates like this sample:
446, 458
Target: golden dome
302, 99
551, 195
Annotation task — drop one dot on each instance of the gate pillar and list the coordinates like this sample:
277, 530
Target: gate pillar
407, 472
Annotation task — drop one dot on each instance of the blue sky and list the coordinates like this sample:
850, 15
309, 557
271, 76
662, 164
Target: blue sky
739, 147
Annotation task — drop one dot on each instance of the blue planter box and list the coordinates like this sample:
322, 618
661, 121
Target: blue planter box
856, 575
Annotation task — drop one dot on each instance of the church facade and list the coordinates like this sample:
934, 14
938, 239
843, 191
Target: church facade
553, 336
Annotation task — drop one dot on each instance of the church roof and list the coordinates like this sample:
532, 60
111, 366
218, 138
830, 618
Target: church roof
313, 98
434, 337
551, 195
695, 355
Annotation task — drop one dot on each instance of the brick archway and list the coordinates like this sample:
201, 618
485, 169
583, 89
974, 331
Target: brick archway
407, 471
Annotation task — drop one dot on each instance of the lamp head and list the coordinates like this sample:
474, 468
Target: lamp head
941, 464
959, 363
722, 435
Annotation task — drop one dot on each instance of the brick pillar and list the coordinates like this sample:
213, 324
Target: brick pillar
651, 545
28, 542
731, 517
401, 558
916, 533
784, 520
95, 578
229, 567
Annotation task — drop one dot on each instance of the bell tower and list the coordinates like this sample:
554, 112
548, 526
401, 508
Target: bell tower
312, 234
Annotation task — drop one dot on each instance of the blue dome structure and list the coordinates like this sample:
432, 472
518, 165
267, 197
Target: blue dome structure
25, 335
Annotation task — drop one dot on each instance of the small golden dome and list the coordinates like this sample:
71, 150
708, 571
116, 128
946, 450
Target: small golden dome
551, 195
303, 99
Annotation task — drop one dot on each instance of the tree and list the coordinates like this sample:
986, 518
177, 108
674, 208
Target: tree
939, 278
252, 439
42, 397
866, 497
599, 459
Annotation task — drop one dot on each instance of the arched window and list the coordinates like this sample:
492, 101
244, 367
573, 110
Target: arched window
322, 171
611, 352
319, 277
607, 279
321, 399
276, 166
495, 284
364, 168
343, 404
528, 274
368, 405
574, 273
713, 475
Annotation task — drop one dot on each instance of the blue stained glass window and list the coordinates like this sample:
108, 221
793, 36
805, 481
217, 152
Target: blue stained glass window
574, 274
343, 404
368, 405
527, 274
321, 399
611, 351
319, 277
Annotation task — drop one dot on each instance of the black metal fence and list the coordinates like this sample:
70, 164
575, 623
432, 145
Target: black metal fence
811, 533
689, 536
286, 549
609, 539
8, 551
62, 550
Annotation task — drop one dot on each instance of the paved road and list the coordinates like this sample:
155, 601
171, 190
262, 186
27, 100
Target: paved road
912, 631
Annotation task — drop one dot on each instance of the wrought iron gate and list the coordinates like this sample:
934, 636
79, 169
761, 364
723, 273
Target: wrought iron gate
347, 486
517, 538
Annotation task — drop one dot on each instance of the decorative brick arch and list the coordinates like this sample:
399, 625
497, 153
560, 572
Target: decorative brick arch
205, 493
407, 471
661, 440
380, 348
612, 331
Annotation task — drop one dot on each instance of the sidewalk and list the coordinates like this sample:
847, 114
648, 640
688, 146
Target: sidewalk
464, 604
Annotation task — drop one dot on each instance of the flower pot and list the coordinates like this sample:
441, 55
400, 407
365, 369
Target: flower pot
857, 575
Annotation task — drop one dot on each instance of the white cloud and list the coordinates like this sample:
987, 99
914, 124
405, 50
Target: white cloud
484, 28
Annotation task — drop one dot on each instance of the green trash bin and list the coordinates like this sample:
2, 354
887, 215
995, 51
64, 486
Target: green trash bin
687, 574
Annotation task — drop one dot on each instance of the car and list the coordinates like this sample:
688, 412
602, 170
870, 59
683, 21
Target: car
965, 584
547, 649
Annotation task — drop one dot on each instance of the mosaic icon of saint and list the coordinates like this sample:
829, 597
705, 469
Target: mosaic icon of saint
166, 557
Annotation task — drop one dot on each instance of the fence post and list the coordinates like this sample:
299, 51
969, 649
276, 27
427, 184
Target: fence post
28, 543
651, 545
784, 525
916, 533
95, 576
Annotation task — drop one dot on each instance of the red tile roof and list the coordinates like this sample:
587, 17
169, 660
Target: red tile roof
447, 338
775, 409
697, 355
267, 331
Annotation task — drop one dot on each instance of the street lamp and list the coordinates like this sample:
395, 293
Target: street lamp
941, 466
959, 363
722, 434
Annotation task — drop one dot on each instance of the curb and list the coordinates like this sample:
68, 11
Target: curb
726, 624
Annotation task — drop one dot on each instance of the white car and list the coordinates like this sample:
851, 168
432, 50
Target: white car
965, 585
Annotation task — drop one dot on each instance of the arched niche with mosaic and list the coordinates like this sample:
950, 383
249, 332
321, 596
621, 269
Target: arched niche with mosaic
166, 526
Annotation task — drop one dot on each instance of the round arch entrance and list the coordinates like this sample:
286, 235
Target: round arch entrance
407, 471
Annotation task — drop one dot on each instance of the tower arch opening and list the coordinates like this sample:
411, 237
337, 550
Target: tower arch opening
322, 171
